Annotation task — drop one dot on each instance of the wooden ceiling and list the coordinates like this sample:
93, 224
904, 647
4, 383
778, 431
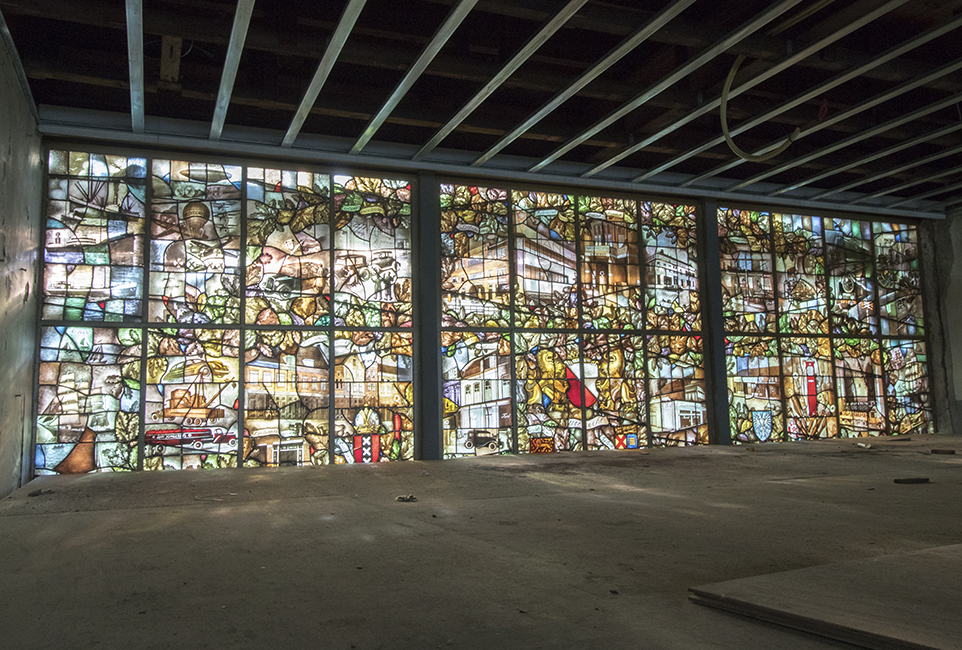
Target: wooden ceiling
613, 91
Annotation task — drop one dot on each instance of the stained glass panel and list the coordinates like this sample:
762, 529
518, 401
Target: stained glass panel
614, 379
476, 395
88, 411
800, 274
373, 397
612, 295
549, 392
475, 288
288, 247
858, 386
908, 396
546, 264
286, 397
809, 393
94, 246
899, 279
676, 374
747, 276
192, 395
754, 389
848, 251
195, 243
372, 265
671, 267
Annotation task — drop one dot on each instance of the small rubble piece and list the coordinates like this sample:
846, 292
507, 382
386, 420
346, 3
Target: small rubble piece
406, 498
864, 445
38, 492
943, 451
913, 479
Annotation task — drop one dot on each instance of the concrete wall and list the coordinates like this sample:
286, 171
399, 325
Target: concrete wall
21, 184
942, 264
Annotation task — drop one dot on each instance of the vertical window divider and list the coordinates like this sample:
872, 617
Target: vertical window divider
241, 323
776, 332
582, 329
512, 314
713, 325
331, 359
144, 306
643, 270
426, 313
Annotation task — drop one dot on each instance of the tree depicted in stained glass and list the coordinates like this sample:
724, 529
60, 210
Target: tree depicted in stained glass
808, 388
546, 263
195, 243
475, 287
88, 410
747, 276
615, 391
373, 397
671, 267
800, 274
858, 387
551, 393
94, 244
908, 396
899, 280
676, 374
372, 265
754, 389
612, 295
192, 399
848, 257
476, 393
286, 397
288, 247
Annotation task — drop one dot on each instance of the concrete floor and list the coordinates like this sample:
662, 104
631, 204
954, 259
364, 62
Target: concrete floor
590, 550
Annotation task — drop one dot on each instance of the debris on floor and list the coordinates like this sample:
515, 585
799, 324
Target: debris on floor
407, 498
913, 479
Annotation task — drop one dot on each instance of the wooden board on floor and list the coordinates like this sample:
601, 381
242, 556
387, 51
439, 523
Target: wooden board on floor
908, 600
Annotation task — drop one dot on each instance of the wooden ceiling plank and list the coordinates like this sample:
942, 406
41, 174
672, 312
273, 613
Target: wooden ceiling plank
344, 28
135, 58
539, 39
772, 12
235, 49
447, 29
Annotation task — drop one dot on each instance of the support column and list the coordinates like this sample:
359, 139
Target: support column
713, 327
427, 319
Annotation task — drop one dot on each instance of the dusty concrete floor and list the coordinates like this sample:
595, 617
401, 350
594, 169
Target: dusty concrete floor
563, 551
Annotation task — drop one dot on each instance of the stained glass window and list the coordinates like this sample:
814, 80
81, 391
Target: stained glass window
615, 396
747, 278
476, 401
858, 385
94, 246
286, 412
671, 267
677, 385
372, 239
612, 295
907, 392
848, 248
545, 261
809, 388
898, 279
195, 243
550, 392
88, 413
192, 399
373, 397
474, 256
288, 247
800, 274
754, 389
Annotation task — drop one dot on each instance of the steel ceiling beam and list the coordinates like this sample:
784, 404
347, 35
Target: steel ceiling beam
905, 186
878, 99
238, 34
941, 190
447, 29
834, 82
539, 39
783, 64
135, 59
864, 135
627, 45
707, 55
898, 170
334, 47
